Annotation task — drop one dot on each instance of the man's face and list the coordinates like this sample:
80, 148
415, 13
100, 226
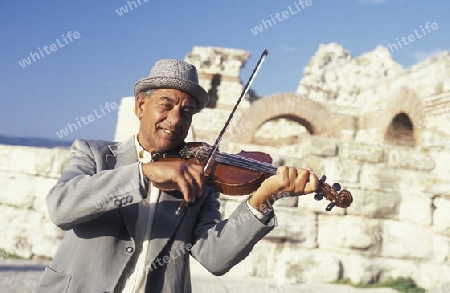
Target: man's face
165, 118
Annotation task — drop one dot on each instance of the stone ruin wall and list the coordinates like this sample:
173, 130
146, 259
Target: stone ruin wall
398, 224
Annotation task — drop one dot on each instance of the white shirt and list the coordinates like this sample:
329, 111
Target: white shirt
134, 277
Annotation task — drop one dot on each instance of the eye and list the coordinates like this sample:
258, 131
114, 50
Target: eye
166, 106
189, 111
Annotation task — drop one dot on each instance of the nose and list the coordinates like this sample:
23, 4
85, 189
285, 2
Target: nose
174, 117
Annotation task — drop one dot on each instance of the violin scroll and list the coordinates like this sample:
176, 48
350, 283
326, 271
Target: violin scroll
338, 197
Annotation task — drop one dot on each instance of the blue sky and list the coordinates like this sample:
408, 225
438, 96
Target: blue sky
80, 75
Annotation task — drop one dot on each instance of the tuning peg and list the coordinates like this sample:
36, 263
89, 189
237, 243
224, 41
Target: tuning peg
323, 178
330, 206
336, 186
318, 196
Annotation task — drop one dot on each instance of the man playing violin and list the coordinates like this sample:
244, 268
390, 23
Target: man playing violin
117, 203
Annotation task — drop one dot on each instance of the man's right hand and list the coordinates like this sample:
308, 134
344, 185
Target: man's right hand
176, 175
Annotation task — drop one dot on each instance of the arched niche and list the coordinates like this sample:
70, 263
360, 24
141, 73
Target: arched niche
400, 131
311, 114
284, 130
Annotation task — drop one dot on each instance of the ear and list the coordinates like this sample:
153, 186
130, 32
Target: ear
139, 105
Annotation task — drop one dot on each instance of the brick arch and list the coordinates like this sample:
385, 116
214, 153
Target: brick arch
313, 115
405, 101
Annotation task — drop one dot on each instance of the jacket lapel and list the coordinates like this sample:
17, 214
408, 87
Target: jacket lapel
165, 222
123, 154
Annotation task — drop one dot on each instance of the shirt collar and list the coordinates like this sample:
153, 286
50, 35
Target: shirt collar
142, 154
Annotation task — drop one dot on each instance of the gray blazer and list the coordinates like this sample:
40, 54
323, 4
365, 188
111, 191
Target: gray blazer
96, 202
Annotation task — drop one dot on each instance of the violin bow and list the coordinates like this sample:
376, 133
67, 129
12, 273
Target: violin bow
215, 147
216, 144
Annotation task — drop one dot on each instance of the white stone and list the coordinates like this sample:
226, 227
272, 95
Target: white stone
17, 189
410, 159
320, 146
42, 187
360, 269
416, 209
18, 227
374, 204
297, 265
359, 151
342, 171
27, 160
433, 276
128, 123
406, 241
441, 216
349, 232
295, 225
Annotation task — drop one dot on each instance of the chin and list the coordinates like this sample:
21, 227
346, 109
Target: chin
164, 147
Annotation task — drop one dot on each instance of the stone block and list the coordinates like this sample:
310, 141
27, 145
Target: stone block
42, 187
441, 248
441, 216
61, 157
259, 262
18, 228
374, 204
17, 189
314, 163
434, 277
350, 233
416, 209
319, 146
295, 225
407, 158
127, 122
406, 241
439, 185
32, 160
360, 269
441, 159
307, 202
295, 264
45, 240
432, 138
375, 177
383, 269
342, 171
361, 152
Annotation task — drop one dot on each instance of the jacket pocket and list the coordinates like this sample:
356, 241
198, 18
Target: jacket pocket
52, 281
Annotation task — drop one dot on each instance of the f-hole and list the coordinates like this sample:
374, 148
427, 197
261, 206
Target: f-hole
215, 82
400, 131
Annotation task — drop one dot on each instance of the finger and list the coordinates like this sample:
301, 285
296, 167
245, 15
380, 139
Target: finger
313, 184
292, 178
192, 186
301, 180
184, 188
197, 175
282, 177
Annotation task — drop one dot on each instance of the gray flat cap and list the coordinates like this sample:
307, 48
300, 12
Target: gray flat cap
174, 74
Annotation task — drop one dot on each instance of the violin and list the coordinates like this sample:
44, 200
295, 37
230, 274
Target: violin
243, 173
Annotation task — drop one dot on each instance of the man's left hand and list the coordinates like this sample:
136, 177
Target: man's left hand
287, 179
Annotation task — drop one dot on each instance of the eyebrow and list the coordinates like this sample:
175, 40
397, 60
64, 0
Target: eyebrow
190, 105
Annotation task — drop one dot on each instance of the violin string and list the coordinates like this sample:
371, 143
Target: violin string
247, 163
215, 147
